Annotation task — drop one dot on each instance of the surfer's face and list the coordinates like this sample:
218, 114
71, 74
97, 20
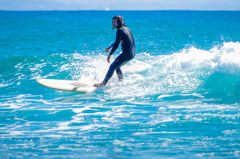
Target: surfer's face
114, 23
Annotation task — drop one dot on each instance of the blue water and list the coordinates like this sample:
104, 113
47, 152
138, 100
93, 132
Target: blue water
180, 96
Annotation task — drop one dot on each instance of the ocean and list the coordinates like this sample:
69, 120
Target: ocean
180, 96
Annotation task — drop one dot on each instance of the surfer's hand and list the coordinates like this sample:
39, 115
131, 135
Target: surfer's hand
108, 49
108, 58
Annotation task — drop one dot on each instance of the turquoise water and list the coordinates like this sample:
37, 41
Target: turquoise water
179, 99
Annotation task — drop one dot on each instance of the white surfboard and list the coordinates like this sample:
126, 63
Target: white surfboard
67, 85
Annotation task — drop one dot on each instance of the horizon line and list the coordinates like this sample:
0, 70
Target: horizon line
123, 10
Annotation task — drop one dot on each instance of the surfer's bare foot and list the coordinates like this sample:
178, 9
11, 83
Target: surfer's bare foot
98, 85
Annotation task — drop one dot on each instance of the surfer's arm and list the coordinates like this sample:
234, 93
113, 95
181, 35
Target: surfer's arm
108, 58
112, 44
117, 41
109, 48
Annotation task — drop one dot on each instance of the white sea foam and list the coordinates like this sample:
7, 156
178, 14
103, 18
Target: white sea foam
183, 71
4, 85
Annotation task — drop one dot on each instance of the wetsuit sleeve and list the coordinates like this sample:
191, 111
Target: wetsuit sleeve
117, 41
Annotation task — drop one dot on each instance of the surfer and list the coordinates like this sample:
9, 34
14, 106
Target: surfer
123, 36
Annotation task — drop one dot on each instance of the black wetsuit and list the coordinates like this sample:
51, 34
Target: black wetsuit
124, 36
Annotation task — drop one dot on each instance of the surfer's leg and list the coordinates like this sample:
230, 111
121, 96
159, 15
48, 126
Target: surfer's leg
120, 61
109, 73
119, 74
